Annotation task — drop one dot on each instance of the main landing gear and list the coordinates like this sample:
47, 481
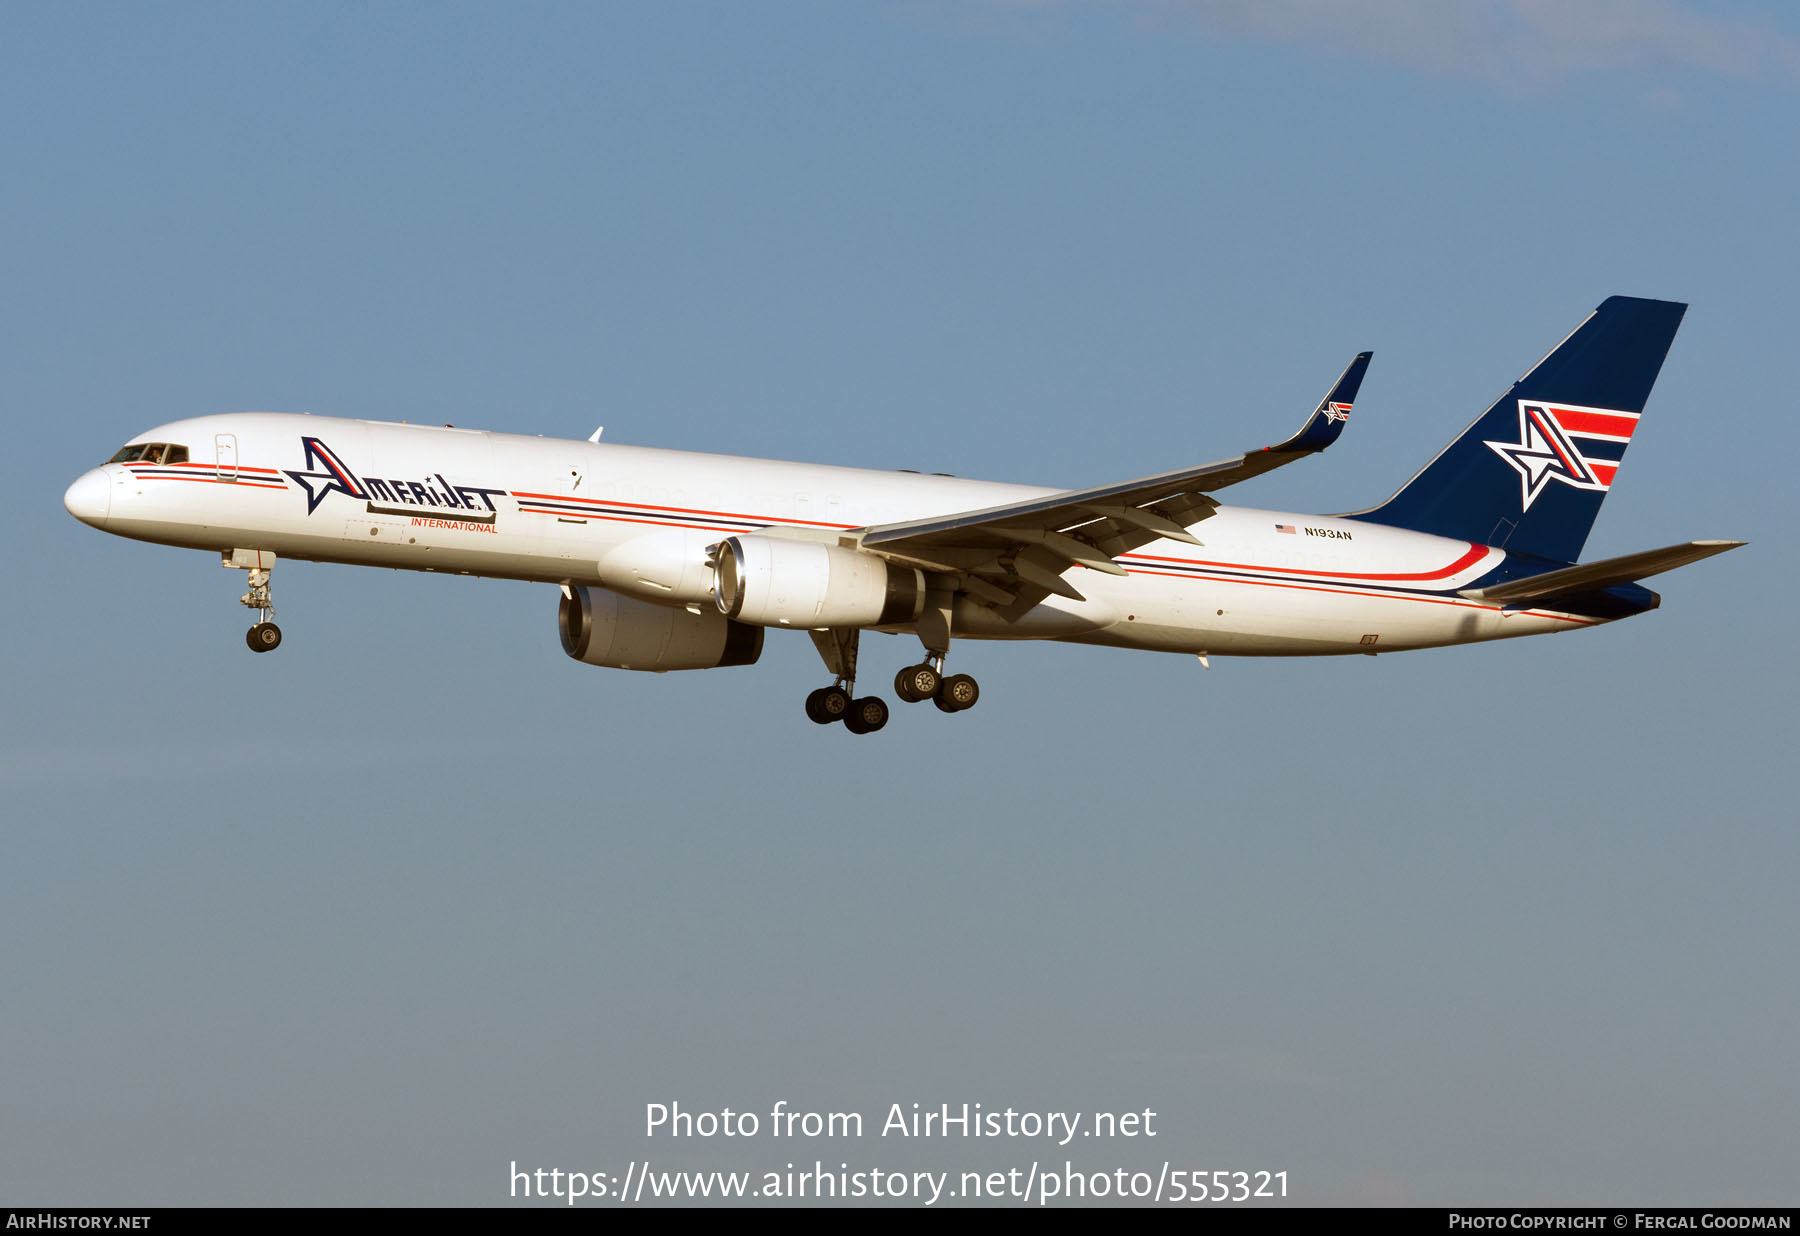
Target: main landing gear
265, 636
927, 681
836, 702
833, 703
917, 683
914, 684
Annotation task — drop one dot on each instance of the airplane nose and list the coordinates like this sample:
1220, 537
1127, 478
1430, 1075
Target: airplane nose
89, 499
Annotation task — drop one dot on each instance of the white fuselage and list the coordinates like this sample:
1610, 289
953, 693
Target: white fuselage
639, 520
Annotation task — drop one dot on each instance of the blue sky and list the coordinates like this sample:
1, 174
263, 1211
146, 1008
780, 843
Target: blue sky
368, 920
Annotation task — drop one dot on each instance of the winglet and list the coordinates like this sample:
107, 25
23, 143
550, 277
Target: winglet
1333, 413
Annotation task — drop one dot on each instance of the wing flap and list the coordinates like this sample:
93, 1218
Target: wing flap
1143, 518
1042, 571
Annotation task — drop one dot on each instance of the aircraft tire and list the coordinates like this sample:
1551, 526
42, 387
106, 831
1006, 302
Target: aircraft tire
916, 683
828, 704
957, 692
263, 637
866, 715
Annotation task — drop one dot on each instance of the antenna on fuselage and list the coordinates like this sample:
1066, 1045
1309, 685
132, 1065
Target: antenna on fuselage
595, 436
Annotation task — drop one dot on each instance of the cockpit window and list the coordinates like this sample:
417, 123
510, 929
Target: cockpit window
151, 452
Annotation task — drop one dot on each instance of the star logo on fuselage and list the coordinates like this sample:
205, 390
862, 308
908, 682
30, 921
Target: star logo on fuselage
334, 478
1543, 454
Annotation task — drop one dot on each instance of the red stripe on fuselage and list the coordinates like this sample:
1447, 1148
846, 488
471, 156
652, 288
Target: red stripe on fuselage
676, 510
1356, 592
215, 480
1475, 554
620, 519
200, 467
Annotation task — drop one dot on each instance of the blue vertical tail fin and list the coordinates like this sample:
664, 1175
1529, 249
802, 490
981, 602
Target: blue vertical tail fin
1529, 475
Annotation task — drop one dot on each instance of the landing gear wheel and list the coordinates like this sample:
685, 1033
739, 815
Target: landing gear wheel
957, 692
265, 636
866, 715
916, 683
828, 704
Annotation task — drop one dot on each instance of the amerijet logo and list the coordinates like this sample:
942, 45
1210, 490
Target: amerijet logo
327, 474
333, 478
1338, 413
1578, 447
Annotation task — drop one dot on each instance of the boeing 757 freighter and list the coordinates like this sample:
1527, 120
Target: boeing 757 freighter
669, 560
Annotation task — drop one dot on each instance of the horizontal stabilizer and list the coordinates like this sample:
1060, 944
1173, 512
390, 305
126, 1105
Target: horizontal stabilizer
1596, 576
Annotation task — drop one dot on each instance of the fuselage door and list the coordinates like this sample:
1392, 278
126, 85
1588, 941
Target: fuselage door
228, 459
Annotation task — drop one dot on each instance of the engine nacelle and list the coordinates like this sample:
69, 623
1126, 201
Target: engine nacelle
779, 583
603, 628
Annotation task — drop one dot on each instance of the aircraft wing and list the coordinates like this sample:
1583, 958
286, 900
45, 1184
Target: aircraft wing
1014, 555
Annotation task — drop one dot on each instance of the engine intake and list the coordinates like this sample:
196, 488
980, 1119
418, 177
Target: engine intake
778, 583
603, 628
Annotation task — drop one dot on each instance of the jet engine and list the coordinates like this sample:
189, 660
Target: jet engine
773, 582
603, 628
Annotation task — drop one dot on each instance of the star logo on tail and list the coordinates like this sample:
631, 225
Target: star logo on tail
1545, 453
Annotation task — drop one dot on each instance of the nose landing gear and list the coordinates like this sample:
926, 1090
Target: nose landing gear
265, 636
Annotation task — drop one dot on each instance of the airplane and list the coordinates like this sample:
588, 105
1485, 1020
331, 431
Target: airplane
674, 560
